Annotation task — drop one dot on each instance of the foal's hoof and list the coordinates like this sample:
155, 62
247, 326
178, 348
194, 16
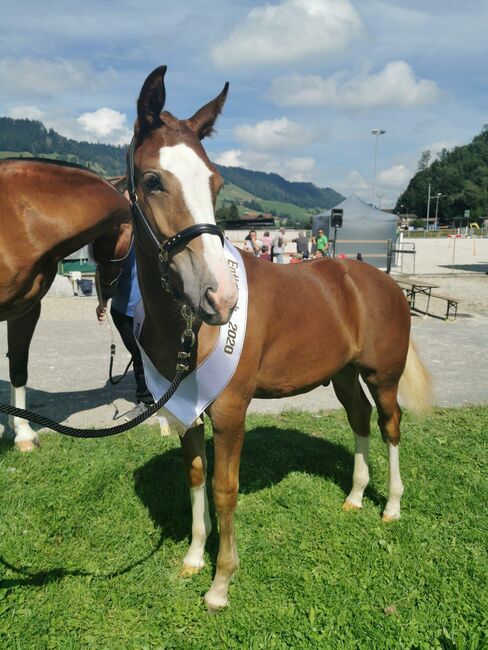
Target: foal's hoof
164, 428
214, 603
389, 518
189, 571
27, 445
347, 506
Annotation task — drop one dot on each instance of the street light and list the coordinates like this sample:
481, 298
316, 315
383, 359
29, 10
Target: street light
439, 195
376, 133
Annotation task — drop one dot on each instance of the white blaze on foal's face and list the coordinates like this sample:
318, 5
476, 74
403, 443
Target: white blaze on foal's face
194, 177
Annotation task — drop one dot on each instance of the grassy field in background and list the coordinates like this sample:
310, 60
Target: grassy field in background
233, 193
92, 534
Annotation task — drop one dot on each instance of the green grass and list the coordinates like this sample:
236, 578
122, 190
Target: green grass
286, 208
237, 195
231, 192
93, 532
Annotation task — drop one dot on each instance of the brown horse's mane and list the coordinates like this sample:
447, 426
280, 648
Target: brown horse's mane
53, 161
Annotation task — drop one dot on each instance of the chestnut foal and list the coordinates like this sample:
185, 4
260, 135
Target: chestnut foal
49, 210
348, 319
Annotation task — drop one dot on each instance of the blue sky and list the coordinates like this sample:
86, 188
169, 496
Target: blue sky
309, 79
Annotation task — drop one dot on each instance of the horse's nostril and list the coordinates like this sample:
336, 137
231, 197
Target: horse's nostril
211, 298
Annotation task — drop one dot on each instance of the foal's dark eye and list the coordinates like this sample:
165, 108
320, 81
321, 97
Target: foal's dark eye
153, 182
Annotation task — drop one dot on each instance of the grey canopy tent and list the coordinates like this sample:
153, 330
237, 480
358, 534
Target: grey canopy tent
365, 230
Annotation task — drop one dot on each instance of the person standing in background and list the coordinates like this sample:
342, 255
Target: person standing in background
302, 245
322, 244
124, 301
279, 244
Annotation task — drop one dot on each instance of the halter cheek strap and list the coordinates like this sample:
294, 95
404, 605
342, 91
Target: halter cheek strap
180, 240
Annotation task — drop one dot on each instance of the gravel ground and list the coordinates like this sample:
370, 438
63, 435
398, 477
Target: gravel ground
68, 371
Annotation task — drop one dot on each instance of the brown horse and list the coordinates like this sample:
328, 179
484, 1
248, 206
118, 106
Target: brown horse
49, 210
346, 318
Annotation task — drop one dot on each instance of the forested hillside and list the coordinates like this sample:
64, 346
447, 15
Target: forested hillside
460, 176
29, 137
275, 188
32, 137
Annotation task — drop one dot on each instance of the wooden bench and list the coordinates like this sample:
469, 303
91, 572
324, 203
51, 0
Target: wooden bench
451, 304
413, 289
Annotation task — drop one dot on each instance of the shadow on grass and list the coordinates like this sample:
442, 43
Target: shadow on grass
60, 405
57, 574
269, 455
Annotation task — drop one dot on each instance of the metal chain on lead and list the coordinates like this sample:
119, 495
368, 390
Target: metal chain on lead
187, 338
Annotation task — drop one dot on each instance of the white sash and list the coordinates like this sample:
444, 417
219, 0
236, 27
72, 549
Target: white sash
204, 384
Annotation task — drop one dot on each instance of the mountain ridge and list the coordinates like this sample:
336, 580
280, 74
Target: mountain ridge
31, 137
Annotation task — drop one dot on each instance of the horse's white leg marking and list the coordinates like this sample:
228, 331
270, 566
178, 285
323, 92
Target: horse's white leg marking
200, 529
25, 438
168, 424
395, 488
227, 563
360, 477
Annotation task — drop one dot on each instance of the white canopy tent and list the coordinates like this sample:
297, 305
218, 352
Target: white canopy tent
365, 230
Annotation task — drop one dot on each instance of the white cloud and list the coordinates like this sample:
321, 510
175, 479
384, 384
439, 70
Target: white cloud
354, 182
290, 31
104, 123
43, 77
396, 85
26, 113
275, 135
292, 168
436, 147
397, 177
230, 158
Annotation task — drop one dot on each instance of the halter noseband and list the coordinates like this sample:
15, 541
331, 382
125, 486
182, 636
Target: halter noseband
167, 248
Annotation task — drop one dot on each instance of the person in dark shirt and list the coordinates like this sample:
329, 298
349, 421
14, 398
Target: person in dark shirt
302, 245
122, 308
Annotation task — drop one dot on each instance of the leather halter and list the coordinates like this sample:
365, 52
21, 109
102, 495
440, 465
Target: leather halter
169, 246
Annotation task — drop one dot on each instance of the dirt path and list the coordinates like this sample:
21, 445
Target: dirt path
68, 372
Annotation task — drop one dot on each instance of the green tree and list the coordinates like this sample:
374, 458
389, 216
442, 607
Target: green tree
233, 212
424, 161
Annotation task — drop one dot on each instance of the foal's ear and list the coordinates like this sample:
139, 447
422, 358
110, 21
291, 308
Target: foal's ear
204, 119
151, 101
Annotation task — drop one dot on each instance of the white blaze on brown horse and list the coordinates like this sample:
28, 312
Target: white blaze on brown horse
49, 210
343, 319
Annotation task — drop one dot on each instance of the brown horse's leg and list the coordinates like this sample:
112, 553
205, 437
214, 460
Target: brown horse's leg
195, 462
351, 395
389, 417
228, 447
19, 337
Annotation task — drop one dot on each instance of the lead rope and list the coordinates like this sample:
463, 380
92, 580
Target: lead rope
113, 381
187, 341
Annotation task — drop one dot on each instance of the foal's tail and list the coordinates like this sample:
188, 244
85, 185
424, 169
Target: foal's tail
416, 383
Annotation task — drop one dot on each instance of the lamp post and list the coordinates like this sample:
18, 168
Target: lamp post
439, 194
376, 133
428, 207
380, 196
